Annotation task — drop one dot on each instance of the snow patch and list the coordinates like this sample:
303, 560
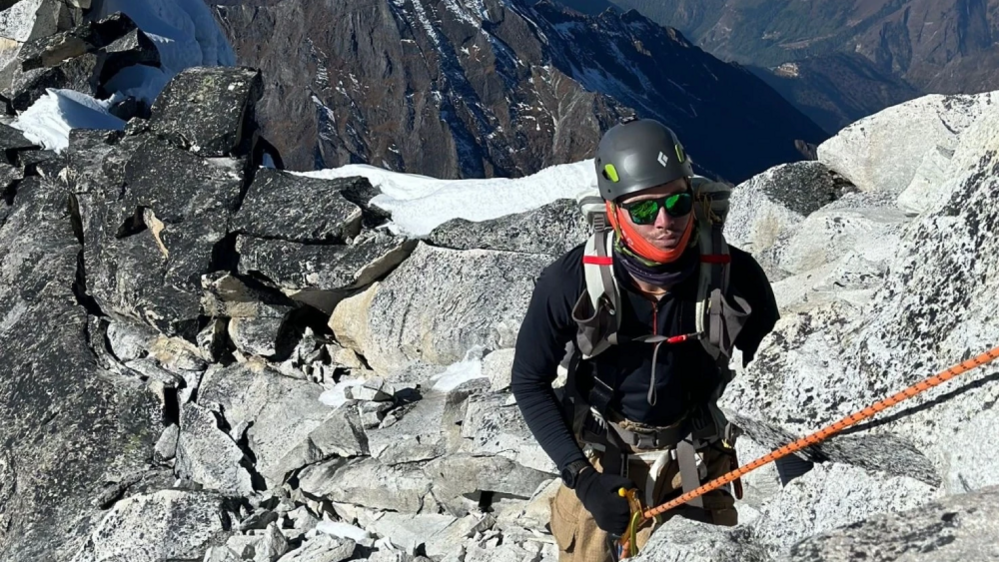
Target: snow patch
335, 397
343, 531
184, 31
459, 373
419, 203
185, 34
139, 81
50, 119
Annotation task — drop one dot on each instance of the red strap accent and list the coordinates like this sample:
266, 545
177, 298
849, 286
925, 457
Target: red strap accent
597, 260
716, 258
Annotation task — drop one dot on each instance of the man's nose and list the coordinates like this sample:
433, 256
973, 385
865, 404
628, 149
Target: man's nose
663, 220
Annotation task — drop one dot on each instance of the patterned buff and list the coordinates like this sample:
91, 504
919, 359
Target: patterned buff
660, 275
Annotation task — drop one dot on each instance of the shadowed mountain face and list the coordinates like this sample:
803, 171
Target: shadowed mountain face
838, 89
475, 88
909, 46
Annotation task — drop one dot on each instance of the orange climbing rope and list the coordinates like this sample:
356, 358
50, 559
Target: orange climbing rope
818, 436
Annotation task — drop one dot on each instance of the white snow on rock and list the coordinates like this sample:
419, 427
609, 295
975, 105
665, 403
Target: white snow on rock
185, 34
459, 373
419, 203
49, 120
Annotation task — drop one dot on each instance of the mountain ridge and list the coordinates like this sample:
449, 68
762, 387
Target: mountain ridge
493, 88
914, 46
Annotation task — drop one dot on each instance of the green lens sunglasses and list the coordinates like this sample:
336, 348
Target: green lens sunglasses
646, 210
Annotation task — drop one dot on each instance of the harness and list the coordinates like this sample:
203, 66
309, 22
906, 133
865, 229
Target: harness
598, 317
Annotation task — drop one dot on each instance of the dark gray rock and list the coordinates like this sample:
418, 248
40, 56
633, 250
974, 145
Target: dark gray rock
165, 525
221, 554
166, 445
550, 230
684, 540
886, 452
360, 192
4, 209
117, 39
50, 51
84, 158
232, 296
213, 340
129, 108
259, 519
39, 18
77, 74
208, 456
457, 477
322, 548
431, 533
97, 329
30, 21
428, 429
806, 187
264, 546
129, 341
115, 162
149, 241
283, 206
258, 400
129, 49
955, 529
369, 483
42, 163
150, 371
257, 336
9, 175
75, 424
829, 496
12, 139
438, 305
209, 110
329, 268
497, 367
494, 426
81, 58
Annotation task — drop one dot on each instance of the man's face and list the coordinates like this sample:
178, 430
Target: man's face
666, 230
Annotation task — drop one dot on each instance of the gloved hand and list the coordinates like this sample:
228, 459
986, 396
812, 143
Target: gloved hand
599, 494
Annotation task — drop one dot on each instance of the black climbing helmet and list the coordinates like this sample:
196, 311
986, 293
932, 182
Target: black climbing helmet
637, 155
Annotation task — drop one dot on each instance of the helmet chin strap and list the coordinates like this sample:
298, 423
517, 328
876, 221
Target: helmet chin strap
640, 245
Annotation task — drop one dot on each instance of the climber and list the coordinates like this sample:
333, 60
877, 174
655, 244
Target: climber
653, 305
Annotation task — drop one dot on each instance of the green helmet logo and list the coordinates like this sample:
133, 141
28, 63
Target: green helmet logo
610, 173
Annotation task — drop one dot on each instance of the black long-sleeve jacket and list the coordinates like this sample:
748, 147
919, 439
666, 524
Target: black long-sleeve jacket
685, 375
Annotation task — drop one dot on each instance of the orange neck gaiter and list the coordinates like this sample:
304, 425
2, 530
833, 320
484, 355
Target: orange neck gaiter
640, 245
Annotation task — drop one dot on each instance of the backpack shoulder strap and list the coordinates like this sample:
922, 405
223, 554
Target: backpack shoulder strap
711, 208
598, 265
597, 313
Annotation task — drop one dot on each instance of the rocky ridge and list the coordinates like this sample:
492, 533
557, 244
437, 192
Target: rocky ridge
199, 368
